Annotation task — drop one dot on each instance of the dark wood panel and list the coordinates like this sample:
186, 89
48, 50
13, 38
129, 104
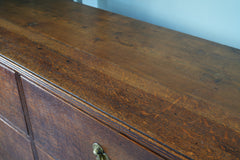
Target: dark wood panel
67, 133
13, 145
10, 104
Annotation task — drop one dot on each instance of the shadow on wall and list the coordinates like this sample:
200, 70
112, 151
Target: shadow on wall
214, 20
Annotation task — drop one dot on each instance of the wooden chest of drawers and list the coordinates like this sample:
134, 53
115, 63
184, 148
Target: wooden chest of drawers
72, 76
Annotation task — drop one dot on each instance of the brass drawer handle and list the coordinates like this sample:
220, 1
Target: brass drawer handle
98, 151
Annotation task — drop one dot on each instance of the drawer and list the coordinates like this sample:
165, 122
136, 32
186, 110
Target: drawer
10, 104
66, 133
13, 145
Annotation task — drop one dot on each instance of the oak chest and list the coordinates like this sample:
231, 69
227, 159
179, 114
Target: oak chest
77, 83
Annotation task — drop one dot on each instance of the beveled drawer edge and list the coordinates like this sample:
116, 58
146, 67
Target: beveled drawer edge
43, 152
123, 128
13, 127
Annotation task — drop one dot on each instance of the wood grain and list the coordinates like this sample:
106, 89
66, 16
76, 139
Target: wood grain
177, 89
10, 105
66, 133
140, 109
13, 144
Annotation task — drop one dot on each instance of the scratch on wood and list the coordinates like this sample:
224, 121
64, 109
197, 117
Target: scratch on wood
169, 107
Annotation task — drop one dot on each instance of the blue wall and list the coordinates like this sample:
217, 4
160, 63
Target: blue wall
215, 20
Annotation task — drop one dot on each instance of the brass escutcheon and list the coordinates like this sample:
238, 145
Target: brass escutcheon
98, 151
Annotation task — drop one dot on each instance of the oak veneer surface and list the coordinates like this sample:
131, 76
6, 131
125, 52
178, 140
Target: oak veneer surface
10, 104
180, 90
13, 145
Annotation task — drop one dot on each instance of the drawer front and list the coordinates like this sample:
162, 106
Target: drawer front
66, 133
10, 104
13, 146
